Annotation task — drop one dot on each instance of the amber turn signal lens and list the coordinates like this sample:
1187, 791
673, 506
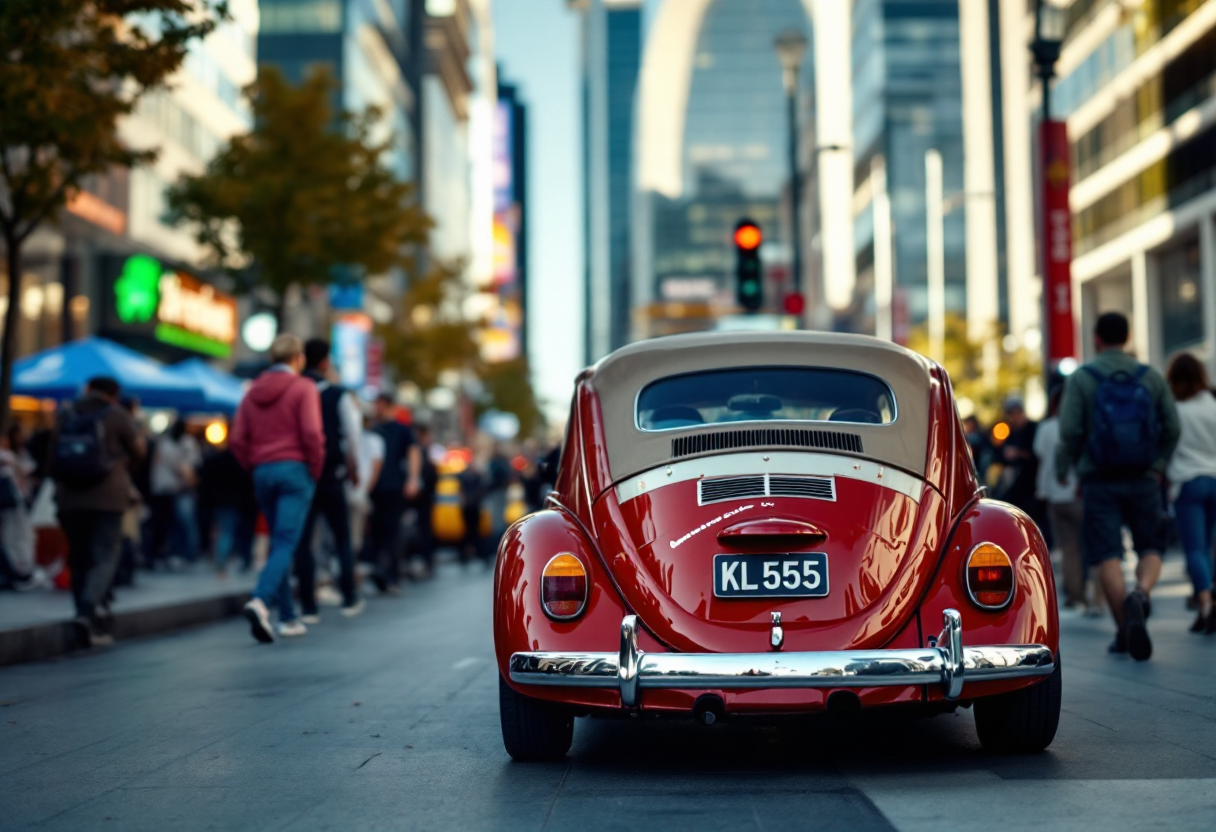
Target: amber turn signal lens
563, 587
990, 576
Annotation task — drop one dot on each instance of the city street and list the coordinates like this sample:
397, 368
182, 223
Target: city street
389, 721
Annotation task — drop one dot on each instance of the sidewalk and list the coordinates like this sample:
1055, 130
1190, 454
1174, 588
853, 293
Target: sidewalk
36, 625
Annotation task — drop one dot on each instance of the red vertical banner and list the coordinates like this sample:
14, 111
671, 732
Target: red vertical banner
901, 319
1056, 241
375, 363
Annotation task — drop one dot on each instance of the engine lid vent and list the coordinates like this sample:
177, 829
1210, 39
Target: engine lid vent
730, 488
724, 440
816, 488
718, 489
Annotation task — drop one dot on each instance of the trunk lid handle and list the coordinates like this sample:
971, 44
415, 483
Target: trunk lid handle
771, 533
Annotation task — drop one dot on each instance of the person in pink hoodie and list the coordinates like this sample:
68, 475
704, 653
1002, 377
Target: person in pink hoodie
277, 436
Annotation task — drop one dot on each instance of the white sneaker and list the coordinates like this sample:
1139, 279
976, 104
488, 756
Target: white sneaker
315, 618
259, 620
287, 629
354, 609
327, 596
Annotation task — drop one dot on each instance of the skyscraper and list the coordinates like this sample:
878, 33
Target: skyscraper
363, 43
611, 58
907, 100
725, 156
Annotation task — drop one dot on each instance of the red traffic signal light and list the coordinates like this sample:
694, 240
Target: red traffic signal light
794, 304
748, 237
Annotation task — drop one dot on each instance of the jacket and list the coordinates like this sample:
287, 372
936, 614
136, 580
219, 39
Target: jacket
1077, 413
279, 420
123, 444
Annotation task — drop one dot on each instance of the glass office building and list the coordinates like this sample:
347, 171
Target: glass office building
731, 149
907, 99
611, 56
363, 43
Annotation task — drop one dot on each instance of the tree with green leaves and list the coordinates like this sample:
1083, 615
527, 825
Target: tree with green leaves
69, 71
303, 195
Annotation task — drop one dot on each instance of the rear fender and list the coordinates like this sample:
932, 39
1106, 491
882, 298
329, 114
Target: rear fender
1031, 618
520, 623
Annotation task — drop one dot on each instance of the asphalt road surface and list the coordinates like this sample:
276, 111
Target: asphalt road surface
389, 721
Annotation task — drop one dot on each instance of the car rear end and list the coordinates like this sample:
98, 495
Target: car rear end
774, 516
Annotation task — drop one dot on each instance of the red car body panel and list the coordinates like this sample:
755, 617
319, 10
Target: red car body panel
896, 563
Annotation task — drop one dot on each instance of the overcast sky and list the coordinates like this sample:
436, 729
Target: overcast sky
537, 46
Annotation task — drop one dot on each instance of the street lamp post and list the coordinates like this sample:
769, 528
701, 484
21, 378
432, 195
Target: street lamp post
1049, 30
1055, 240
791, 46
935, 248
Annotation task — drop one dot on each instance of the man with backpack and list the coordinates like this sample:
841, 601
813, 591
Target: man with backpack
93, 449
1118, 427
343, 426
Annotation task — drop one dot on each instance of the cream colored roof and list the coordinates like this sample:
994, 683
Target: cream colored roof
618, 378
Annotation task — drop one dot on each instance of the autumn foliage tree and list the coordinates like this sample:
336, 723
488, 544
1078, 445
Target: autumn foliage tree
303, 195
432, 334
976, 377
69, 71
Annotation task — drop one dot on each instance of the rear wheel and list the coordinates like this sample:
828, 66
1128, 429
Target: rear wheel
531, 728
1020, 722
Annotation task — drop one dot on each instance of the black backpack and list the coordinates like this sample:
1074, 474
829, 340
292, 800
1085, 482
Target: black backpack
81, 459
1125, 439
335, 442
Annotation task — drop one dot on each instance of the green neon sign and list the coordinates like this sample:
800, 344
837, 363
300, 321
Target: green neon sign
144, 285
137, 289
178, 337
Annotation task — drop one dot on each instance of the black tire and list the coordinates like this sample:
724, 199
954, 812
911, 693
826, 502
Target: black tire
533, 730
1023, 721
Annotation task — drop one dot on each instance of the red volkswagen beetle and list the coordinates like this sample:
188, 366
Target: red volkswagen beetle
764, 523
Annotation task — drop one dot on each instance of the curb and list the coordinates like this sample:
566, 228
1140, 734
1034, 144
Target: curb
55, 638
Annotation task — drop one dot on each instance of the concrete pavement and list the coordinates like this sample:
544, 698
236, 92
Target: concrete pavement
37, 624
389, 721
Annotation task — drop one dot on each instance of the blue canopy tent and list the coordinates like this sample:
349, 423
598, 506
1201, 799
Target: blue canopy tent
61, 372
222, 392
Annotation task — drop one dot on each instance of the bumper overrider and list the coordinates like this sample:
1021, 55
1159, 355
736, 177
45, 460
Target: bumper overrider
944, 662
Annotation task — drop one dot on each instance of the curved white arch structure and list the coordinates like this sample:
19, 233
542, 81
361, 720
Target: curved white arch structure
662, 105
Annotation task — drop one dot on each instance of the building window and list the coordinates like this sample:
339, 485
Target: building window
1187, 80
1187, 172
279, 16
1181, 297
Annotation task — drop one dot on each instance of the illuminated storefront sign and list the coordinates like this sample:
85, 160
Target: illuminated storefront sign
173, 307
350, 341
500, 338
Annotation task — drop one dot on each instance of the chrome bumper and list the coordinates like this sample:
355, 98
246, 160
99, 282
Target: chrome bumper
944, 662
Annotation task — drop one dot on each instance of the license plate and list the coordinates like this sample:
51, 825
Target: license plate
803, 575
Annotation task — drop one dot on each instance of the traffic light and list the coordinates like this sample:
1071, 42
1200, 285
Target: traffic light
749, 275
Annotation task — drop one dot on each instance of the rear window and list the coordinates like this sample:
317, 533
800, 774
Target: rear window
761, 394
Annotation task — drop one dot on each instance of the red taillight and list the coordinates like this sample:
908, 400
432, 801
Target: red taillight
990, 576
563, 587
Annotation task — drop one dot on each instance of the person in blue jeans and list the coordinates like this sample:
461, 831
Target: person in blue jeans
1192, 475
277, 435
284, 490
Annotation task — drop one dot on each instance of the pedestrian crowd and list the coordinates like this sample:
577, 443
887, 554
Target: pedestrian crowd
1125, 459
300, 448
